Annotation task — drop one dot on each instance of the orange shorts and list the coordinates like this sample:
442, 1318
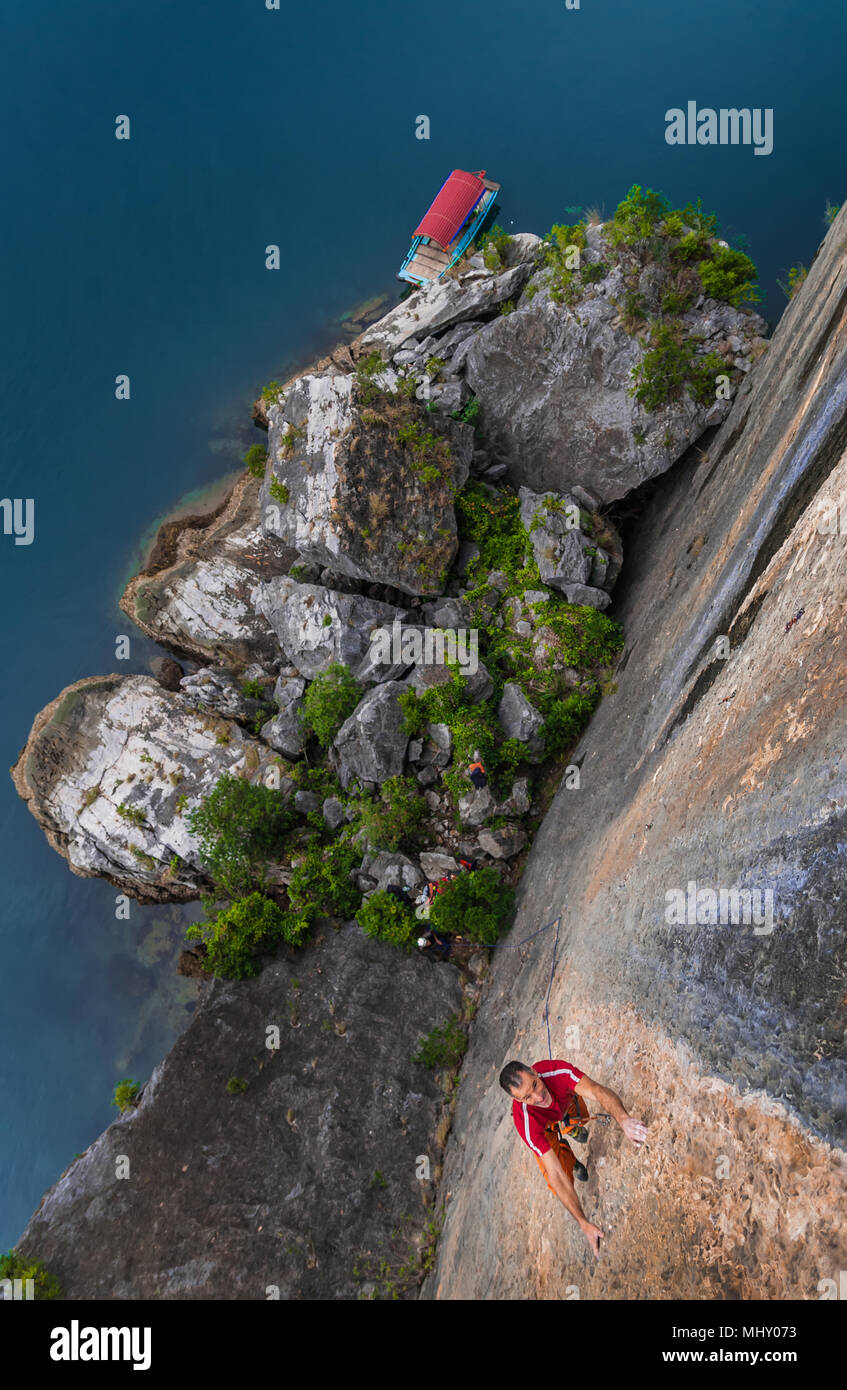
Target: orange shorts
561, 1147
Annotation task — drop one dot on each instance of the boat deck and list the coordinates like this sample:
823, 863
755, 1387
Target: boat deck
429, 260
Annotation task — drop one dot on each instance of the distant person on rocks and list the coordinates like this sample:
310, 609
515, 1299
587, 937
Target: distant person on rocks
545, 1095
476, 772
433, 946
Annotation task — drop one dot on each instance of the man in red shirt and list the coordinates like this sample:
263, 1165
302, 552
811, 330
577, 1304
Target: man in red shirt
543, 1095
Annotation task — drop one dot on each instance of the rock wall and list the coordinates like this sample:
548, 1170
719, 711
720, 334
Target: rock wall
722, 766
296, 1182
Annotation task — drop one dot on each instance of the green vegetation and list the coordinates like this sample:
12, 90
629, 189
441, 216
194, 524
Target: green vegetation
401, 1272
670, 364
563, 257
134, 814
830, 213
278, 491
126, 1094
475, 905
469, 414
384, 918
321, 883
236, 1086
234, 937
16, 1266
394, 815
271, 392
796, 277
443, 1047
256, 458
430, 453
728, 275
330, 699
239, 826
253, 690
494, 245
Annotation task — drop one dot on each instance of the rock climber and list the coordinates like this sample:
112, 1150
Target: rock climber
546, 1094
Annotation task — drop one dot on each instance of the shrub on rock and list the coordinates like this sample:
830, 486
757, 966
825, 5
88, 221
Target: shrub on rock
384, 918
475, 905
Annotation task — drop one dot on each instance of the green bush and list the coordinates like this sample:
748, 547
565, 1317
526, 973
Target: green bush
13, 1265
474, 905
443, 1047
278, 491
394, 815
384, 918
566, 718
729, 275
330, 699
638, 216
469, 414
126, 1094
256, 458
494, 524
663, 370
236, 1086
321, 883
240, 826
234, 937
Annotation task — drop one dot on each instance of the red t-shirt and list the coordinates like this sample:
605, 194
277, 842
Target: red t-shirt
561, 1079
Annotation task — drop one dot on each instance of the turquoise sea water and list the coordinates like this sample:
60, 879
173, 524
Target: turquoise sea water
297, 127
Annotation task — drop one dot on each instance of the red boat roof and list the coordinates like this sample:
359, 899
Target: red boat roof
451, 207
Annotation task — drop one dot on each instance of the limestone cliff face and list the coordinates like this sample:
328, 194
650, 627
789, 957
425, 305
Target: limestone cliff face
296, 1183
722, 765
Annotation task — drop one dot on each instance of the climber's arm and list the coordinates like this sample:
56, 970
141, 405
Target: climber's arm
607, 1100
564, 1190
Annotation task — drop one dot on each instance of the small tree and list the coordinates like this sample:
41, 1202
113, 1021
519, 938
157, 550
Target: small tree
330, 699
384, 918
256, 459
394, 815
474, 905
240, 827
126, 1094
235, 936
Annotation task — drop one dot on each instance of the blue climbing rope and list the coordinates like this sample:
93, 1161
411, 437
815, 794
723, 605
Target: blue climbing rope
516, 945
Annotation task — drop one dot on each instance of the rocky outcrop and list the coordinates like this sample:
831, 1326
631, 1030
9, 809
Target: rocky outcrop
194, 595
554, 383
290, 1189
443, 304
371, 745
316, 626
112, 768
717, 764
355, 487
569, 555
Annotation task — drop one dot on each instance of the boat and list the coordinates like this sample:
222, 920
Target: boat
464, 207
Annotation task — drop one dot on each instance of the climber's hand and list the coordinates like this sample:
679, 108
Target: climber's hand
636, 1130
593, 1235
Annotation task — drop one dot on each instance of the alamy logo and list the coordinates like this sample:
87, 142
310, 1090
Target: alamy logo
16, 1290
77, 1343
710, 907
432, 646
728, 126
18, 522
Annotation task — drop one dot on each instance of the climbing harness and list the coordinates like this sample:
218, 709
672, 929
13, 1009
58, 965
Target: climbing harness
576, 1124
